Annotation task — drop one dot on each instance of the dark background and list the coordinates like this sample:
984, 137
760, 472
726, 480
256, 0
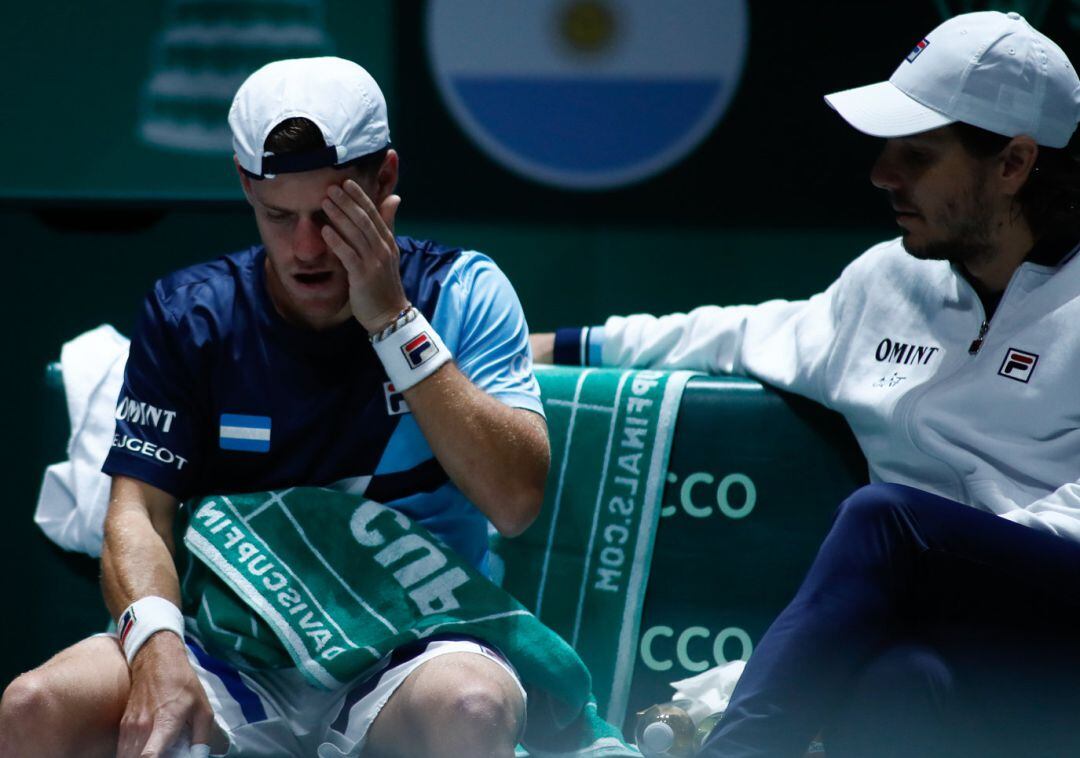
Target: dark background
772, 204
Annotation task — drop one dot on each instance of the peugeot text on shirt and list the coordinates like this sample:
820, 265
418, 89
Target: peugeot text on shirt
149, 449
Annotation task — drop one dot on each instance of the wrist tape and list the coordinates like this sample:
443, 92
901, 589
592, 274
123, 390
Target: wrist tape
143, 618
411, 353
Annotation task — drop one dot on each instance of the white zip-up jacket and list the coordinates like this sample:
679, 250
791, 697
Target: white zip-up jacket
890, 346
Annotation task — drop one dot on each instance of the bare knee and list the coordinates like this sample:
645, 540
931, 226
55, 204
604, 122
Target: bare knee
480, 714
483, 707
68, 706
28, 698
462, 704
29, 715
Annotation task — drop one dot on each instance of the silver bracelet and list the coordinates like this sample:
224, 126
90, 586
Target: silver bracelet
405, 317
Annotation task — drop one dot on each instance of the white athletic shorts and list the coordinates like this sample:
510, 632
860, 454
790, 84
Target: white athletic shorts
276, 712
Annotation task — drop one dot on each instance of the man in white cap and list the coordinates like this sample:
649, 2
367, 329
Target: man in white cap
941, 614
334, 354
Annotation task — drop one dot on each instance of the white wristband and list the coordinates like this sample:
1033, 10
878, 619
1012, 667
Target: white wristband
143, 618
412, 353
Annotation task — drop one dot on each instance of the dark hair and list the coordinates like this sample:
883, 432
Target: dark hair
300, 135
1050, 199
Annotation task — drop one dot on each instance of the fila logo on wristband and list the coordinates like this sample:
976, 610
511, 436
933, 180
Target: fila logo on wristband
144, 618
419, 349
127, 623
411, 352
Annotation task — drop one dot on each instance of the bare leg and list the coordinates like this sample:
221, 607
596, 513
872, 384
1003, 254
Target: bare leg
453, 705
70, 705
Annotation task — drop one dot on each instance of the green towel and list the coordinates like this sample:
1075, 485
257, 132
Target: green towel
582, 567
331, 583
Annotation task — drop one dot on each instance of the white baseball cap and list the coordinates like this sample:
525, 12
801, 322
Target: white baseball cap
337, 95
988, 69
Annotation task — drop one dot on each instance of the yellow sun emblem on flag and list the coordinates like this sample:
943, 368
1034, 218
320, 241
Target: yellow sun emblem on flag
587, 26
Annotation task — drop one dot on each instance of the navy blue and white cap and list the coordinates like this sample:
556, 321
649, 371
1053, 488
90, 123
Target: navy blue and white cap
338, 96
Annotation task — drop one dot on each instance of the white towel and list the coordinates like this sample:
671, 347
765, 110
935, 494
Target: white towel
75, 494
709, 691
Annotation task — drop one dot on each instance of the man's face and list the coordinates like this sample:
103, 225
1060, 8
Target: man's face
306, 281
940, 194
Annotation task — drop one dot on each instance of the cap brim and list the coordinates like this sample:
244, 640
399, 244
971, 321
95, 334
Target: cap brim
882, 110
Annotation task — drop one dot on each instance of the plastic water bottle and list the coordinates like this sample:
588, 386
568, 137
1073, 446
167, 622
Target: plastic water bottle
704, 728
665, 731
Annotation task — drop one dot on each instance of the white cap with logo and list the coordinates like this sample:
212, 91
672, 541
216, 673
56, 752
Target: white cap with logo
987, 69
337, 95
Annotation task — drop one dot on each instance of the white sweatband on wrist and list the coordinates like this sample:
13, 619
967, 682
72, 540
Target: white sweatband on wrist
410, 350
143, 618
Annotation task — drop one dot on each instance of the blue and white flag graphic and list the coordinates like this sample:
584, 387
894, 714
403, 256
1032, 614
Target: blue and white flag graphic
248, 433
587, 94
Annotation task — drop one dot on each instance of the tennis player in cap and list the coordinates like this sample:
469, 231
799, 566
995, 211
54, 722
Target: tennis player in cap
942, 613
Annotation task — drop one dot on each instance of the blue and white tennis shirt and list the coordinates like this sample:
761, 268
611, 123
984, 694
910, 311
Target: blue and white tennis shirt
223, 395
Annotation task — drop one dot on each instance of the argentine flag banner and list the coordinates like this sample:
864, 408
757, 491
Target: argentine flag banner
247, 433
587, 94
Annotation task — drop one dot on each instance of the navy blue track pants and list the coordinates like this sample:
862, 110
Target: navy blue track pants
923, 628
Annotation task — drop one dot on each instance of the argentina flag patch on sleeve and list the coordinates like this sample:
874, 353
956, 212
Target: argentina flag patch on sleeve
247, 433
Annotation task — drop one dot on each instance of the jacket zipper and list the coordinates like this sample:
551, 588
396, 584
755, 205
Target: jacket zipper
977, 343
912, 398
